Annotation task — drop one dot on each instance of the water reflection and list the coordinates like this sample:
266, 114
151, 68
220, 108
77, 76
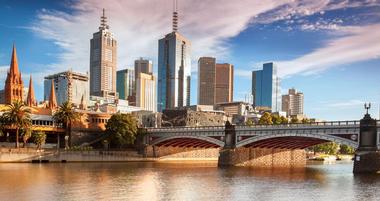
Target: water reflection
187, 181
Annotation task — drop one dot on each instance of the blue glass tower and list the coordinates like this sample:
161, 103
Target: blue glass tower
266, 87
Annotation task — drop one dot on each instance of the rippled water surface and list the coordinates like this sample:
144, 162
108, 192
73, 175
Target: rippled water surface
182, 181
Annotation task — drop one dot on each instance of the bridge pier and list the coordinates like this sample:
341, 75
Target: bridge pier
367, 156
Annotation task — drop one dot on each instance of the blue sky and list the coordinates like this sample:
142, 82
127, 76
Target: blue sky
328, 49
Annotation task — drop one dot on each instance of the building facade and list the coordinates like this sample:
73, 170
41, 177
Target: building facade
126, 85
69, 86
174, 69
293, 103
14, 86
146, 92
206, 80
266, 88
103, 62
224, 83
143, 66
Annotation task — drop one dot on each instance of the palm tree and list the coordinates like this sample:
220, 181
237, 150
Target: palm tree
66, 115
17, 116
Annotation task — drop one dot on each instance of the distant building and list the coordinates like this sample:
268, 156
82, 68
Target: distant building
143, 66
126, 85
215, 82
224, 83
174, 69
206, 80
266, 87
146, 92
103, 62
14, 85
69, 86
293, 102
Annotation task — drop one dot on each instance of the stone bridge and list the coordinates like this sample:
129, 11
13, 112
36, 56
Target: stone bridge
252, 143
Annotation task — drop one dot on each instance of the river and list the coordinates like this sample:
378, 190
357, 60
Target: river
183, 181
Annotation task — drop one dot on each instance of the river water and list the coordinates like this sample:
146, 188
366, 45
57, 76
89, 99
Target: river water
183, 181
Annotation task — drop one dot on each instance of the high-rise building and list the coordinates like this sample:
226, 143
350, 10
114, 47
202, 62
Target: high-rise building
103, 59
126, 85
292, 103
215, 82
174, 69
146, 92
206, 80
143, 66
266, 87
69, 86
224, 83
14, 86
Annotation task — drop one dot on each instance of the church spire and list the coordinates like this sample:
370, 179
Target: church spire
31, 99
14, 63
175, 16
52, 99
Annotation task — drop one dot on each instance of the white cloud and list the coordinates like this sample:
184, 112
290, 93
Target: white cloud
355, 44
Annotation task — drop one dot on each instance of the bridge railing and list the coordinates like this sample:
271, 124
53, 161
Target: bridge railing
186, 128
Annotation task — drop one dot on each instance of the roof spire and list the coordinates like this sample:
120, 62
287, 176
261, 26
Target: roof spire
14, 62
52, 99
103, 21
31, 99
175, 16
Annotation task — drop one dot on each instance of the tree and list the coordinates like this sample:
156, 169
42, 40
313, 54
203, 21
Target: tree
327, 148
284, 120
2, 125
27, 134
122, 129
266, 119
249, 122
345, 149
39, 139
294, 120
17, 116
276, 119
306, 121
66, 115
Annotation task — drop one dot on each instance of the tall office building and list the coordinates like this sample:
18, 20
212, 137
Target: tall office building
103, 55
126, 85
224, 83
174, 69
215, 82
292, 103
69, 86
266, 87
206, 80
146, 92
143, 66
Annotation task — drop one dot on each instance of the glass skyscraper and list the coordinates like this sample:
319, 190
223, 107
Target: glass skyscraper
174, 69
266, 88
125, 85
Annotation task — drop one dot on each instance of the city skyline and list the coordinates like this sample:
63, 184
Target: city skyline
347, 86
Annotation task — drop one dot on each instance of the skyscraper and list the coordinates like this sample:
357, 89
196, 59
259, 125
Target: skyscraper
174, 66
103, 59
146, 92
224, 83
215, 82
206, 80
69, 86
143, 66
126, 85
292, 103
266, 87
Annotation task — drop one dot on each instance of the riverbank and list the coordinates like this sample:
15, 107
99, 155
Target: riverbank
327, 157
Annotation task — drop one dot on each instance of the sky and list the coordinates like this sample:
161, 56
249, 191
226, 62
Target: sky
327, 49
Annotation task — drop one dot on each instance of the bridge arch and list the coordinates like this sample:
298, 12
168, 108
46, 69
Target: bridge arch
324, 137
201, 138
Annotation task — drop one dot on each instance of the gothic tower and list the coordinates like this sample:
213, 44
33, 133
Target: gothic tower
31, 99
13, 84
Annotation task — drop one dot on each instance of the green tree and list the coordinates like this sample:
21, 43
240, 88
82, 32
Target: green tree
276, 119
266, 119
249, 122
27, 134
284, 120
2, 124
39, 138
122, 129
305, 121
345, 149
66, 115
294, 120
17, 116
327, 148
